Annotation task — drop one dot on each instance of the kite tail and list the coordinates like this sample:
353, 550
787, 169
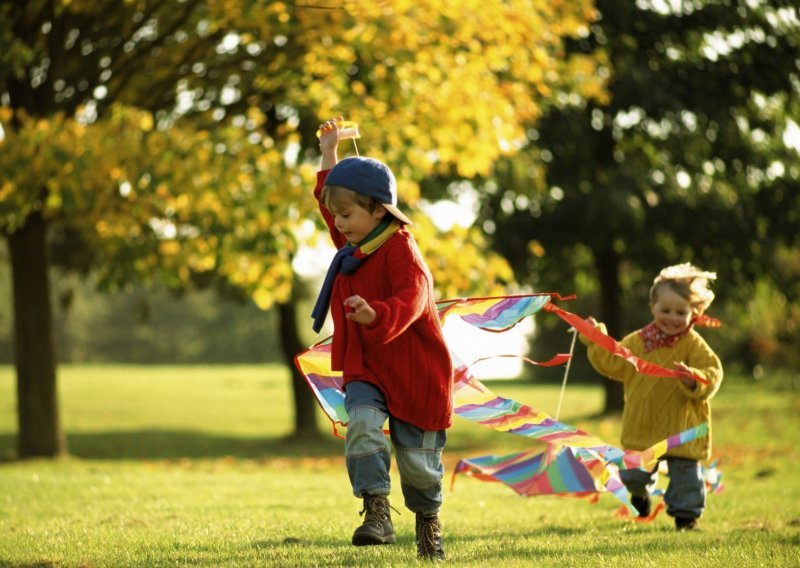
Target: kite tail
608, 343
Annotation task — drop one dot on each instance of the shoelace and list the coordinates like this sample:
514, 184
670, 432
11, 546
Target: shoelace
376, 511
430, 537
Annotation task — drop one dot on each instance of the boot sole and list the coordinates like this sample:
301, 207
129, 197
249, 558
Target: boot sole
371, 540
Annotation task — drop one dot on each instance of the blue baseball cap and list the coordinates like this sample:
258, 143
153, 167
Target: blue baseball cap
369, 177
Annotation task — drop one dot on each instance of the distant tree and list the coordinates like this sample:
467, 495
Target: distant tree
130, 193
688, 160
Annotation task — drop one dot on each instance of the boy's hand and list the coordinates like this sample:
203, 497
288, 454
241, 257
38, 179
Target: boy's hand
329, 135
361, 311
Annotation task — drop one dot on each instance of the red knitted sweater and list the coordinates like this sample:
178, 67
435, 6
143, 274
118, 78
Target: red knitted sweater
403, 351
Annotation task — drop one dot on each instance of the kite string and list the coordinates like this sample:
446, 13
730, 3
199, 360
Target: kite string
566, 370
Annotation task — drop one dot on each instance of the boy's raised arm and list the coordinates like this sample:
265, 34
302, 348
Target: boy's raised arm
328, 143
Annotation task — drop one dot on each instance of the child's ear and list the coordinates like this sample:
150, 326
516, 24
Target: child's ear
379, 212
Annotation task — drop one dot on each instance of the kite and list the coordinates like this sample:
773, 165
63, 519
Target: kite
555, 471
575, 460
572, 455
561, 471
491, 314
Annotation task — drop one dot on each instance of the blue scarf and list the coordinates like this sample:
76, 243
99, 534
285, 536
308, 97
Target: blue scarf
346, 261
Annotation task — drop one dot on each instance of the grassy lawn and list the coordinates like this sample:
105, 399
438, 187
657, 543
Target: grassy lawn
189, 466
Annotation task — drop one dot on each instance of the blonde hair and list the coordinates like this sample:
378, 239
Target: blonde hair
334, 193
689, 282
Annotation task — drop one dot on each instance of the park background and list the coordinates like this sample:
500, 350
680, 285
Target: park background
156, 161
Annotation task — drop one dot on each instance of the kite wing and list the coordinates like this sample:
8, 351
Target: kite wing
315, 365
496, 313
532, 473
562, 470
491, 314
475, 402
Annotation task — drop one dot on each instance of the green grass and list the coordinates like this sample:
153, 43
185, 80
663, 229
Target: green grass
189, 466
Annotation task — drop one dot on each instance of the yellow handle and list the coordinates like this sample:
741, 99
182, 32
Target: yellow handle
347, 129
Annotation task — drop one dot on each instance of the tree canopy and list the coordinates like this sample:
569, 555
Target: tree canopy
692, 158
171, 139
175, 141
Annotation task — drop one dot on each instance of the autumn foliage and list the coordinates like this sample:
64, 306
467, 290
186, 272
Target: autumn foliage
200, 157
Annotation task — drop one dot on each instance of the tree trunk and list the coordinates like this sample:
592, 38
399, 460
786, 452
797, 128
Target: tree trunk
305, 406
40, 433
607, 265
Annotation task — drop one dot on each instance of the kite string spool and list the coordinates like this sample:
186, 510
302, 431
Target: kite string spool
348, 130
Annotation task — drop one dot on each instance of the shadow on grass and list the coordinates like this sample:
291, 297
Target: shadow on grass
154, 444
180, 444
656, 540
497, 547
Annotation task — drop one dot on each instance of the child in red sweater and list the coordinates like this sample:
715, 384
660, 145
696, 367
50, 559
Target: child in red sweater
388, 343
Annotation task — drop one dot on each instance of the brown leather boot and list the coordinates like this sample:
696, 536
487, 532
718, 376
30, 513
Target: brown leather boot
377, 527
429, 537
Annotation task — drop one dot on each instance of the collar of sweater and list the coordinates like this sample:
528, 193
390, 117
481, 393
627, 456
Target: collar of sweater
654, 338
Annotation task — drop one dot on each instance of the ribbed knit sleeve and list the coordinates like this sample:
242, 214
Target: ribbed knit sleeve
410, 296
611, 366
704, 363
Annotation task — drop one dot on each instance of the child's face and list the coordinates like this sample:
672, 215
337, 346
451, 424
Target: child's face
672, 312
353, 220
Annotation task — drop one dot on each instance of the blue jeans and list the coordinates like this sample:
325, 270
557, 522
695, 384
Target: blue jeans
686, 493
418, 452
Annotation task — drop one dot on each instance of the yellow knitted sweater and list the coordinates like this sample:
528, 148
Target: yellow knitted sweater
656, 407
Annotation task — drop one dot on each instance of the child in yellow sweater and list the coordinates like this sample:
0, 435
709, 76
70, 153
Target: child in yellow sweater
655, 407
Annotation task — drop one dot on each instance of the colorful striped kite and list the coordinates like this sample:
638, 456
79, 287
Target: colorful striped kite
491, 314
475, 402
560, 471
574, 457
551, 472
571, 455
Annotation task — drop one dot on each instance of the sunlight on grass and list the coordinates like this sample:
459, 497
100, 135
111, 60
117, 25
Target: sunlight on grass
186, 466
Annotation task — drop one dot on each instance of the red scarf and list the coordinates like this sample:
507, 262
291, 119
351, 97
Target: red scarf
654, 338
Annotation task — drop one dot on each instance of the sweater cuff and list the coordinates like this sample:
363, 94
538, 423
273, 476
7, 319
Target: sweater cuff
699, 391
380, 311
